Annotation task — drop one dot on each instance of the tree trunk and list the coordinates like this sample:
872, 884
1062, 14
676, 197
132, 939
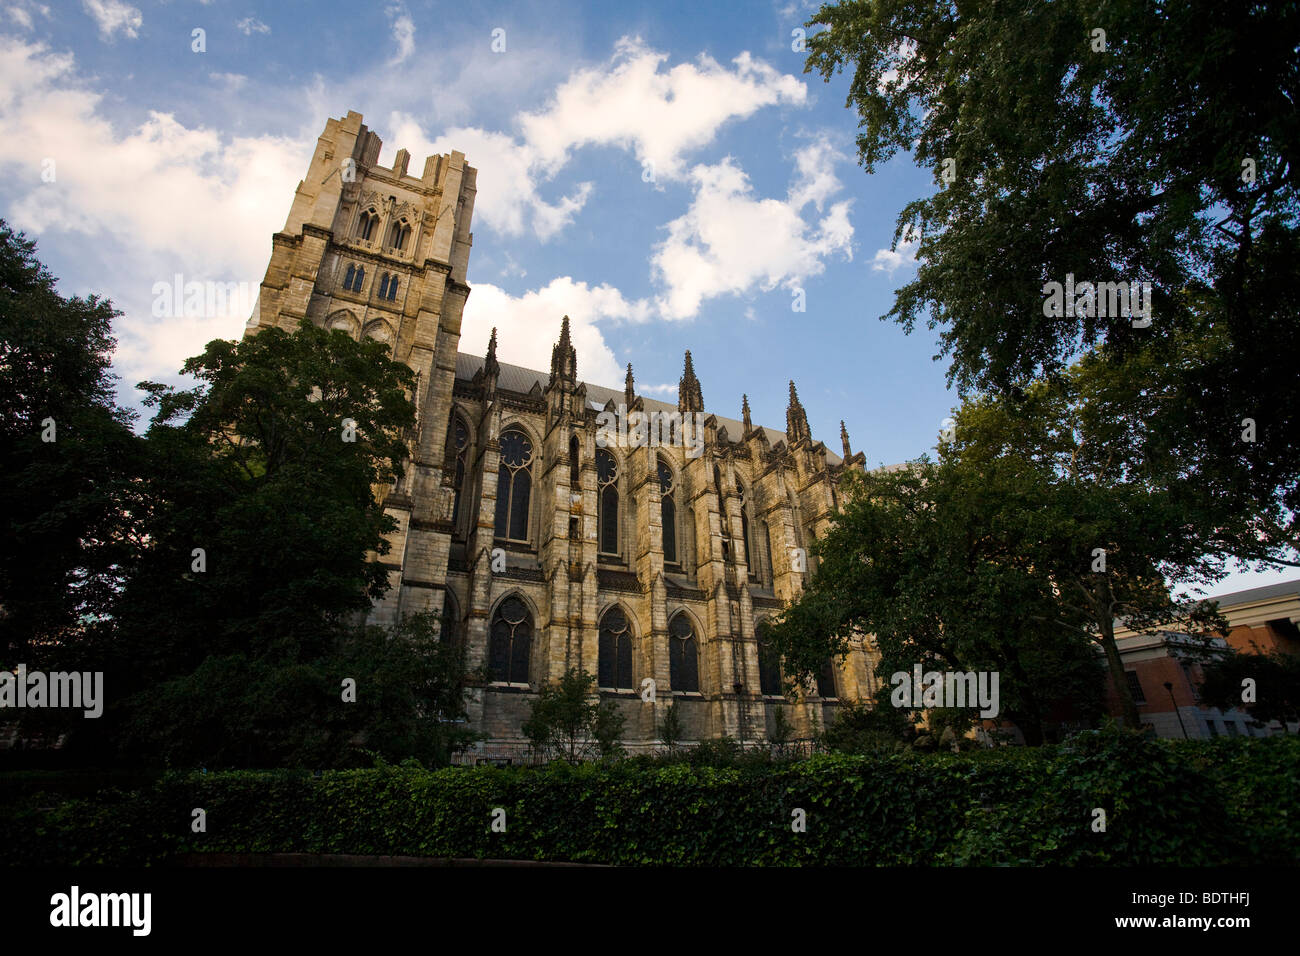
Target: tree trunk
1117, 677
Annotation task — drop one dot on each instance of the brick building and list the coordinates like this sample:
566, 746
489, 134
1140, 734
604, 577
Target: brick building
1262, 620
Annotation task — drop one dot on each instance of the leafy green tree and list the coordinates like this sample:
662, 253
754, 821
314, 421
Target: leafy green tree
918, 560
607, 730
1276, 688
263, 514
782, 730
1015, 552
241, 711
864, 727
1109, 140
72, 502
563, 721
670, 729
262, 519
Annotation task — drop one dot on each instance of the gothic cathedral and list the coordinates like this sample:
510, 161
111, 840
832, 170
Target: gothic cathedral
538, 542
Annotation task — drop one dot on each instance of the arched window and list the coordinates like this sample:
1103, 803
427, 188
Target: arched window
349, 276
668, 511
458, 446
683, 657
383, 286
355, 275
767, 553
399, 234
615, 666
392, 289
826, 680
514, 485
450, 629
607, 502
366, 224
769, 668
511, 640
744, 528
575, 475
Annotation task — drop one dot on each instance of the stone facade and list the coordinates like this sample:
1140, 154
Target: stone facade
518, 522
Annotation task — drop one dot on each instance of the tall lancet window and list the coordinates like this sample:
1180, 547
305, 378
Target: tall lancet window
366, 224
615, 651
769, 663
744, 529
683, 656
450, 627
668, 511
460, 448
510, 641
514, 485
607, 479
398, 235
826, 680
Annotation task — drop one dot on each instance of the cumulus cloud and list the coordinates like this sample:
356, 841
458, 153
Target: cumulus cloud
403, 31
903, 256
528, 325
509, 200
730, 242
114, 16
630, 102
660, 115
152, 201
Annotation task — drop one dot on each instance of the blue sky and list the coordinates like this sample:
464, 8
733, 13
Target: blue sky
669, 178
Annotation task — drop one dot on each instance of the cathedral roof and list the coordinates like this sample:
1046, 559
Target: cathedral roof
515, 378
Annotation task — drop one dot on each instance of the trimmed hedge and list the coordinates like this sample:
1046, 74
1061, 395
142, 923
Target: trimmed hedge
1199, 803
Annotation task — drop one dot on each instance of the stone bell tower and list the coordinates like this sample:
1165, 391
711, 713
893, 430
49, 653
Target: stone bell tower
381, 253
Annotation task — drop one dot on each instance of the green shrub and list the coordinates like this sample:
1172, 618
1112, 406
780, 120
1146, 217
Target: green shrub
1197, 803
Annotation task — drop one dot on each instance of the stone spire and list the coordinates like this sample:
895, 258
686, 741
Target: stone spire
689, 397
744, 413
796, 419
844, 439
564, 357
490, 366
629, 387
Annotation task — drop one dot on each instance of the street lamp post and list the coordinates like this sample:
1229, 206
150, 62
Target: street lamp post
1169, 686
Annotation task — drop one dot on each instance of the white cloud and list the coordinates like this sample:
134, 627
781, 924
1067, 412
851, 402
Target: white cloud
113, 16
251, 25
403, 31
508, 200
659, 115
728, 242
152, 201
891, 260
233, 82
815, 179
528, 325
21, 12
629, 103
665, 390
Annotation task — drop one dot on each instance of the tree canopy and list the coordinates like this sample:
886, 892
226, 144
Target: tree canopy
1107, 141
68, 460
